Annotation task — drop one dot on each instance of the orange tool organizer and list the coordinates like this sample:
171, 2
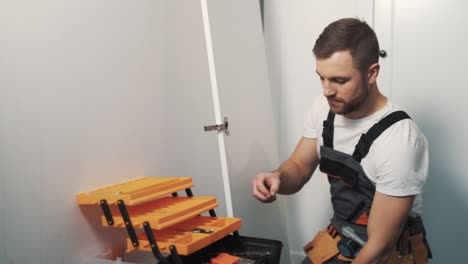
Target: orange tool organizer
172, 224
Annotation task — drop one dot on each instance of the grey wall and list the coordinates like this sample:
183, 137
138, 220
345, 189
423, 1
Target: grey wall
424, 73
428, 79
245, 97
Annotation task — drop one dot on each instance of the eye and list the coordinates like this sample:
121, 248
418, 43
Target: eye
339, 80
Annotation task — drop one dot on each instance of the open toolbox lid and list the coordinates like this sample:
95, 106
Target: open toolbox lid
190, 235
135, 191
165, 212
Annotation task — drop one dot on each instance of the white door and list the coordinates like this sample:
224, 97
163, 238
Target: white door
215, 67
426, 48
187, 103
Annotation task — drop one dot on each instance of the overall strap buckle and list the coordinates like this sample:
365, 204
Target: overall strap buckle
328, 129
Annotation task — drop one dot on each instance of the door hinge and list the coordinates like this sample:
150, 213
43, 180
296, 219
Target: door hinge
219, 127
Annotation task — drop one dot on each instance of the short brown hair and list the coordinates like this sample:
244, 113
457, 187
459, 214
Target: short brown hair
349, 34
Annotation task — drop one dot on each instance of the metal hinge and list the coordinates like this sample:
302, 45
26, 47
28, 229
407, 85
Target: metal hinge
219, 127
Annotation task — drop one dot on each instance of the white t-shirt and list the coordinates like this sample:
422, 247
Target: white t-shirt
398, 160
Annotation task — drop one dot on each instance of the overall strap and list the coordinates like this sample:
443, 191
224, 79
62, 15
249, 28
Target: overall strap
328, 128
366, 140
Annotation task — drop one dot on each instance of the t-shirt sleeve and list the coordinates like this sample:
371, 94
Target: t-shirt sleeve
311, 118
402, 160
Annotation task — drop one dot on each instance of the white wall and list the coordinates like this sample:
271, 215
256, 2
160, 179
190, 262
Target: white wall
79, 109
291, 28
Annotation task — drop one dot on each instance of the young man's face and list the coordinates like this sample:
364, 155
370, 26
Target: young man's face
342, 83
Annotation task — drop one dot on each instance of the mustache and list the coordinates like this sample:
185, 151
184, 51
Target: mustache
334, 98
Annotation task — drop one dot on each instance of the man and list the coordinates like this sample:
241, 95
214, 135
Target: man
375, 157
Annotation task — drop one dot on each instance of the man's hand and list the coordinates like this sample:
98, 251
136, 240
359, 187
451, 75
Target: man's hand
292, 174
265, 186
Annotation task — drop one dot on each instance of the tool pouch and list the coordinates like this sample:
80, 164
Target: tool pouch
322, 248
419, 248
417, 255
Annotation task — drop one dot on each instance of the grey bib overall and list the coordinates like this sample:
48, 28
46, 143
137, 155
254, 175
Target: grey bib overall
351, 190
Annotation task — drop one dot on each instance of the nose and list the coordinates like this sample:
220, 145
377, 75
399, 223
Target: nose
328, 89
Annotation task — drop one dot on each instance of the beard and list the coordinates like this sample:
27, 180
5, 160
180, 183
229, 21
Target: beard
344, 108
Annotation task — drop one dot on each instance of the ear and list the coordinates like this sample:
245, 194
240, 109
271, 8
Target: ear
373, 73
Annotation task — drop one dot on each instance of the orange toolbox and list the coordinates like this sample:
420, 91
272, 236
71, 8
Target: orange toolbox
167, 223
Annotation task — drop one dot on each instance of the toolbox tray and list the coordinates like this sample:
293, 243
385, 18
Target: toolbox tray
135, 191
186, 236
165, 212
263, 251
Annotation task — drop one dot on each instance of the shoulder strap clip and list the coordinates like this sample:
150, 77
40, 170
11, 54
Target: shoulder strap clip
366, 140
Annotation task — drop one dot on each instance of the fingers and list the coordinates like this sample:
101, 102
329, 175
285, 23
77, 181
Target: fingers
270, 200
265, 186
274, 187
261, 186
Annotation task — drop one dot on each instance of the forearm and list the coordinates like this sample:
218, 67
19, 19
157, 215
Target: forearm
292, 176
373, 253
296, 171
